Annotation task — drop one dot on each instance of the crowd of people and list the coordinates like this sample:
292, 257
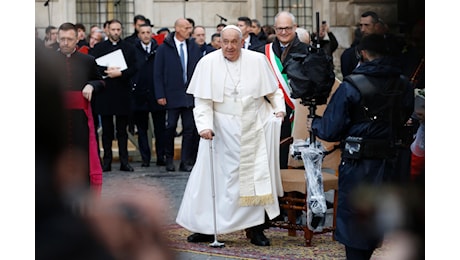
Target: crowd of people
232, 99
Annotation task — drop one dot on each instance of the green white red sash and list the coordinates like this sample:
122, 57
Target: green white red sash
277, 66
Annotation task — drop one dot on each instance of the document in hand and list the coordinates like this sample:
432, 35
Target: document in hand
113, 59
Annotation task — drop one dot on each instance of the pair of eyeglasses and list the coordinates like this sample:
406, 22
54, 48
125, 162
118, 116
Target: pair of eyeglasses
280, 29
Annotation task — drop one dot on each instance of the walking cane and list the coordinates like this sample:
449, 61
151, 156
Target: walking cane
215, 243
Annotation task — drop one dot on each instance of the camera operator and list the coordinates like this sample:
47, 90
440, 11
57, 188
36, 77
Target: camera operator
367, 111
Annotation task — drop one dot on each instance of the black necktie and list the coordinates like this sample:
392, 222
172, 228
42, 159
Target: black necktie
282, 48
147, 49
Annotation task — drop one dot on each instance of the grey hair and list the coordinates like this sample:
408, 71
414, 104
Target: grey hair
304, 35
288, 13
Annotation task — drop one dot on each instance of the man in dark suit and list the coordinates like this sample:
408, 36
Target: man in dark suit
138, 20
199, 35
369, 23
50, 40
115, 100
256, 29
251, 42
144, 101
172, 74
215, 41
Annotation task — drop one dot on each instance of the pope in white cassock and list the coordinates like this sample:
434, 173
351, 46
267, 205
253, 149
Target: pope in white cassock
230, 86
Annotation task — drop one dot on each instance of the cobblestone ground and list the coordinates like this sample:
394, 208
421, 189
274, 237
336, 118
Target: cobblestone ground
154, 180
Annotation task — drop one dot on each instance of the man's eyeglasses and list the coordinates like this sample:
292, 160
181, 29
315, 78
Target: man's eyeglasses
280, 29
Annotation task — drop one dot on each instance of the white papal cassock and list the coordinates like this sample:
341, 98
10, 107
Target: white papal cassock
245, 147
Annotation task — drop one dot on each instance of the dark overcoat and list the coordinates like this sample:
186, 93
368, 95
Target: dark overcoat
255, 43
168, 72
348, 61
143, 81
115, 99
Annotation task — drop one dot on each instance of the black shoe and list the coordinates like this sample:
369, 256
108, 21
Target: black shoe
126, 168
185, 168
161, 163
106, 168
145, 164
257, 236
317, 219
197, 237
248, 233
170, 167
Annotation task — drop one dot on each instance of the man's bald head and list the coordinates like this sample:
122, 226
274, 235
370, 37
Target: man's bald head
183, 29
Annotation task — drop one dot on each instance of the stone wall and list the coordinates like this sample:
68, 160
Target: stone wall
341, 15
345, 16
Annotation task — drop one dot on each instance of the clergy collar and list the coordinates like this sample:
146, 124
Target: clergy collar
114, 43
68, 55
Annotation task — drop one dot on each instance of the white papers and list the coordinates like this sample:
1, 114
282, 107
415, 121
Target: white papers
113, 59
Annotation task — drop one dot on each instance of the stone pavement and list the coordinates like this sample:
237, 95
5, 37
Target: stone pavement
163, 184
169, 185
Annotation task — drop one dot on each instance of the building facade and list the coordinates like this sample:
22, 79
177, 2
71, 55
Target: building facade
341, 15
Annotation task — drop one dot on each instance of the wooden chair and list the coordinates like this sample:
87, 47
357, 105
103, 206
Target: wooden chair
293, 179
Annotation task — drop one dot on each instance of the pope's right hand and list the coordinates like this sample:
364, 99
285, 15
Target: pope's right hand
207, 134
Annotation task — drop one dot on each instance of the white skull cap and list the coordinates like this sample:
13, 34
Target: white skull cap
231, 26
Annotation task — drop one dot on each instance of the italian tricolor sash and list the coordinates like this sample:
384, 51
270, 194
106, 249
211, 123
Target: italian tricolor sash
277, 66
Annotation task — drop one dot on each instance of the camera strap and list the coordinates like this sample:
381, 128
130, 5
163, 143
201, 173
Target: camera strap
363, 84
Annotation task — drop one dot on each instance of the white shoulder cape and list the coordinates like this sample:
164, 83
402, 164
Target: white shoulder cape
204, 86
